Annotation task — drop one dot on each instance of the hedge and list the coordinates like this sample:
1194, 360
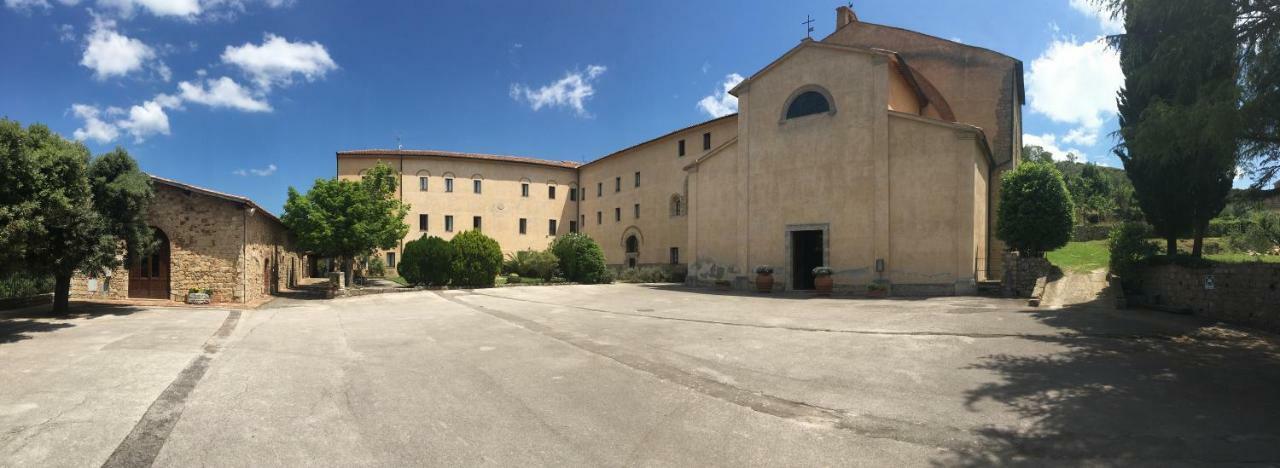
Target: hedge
581, 259
427, 261
478, 259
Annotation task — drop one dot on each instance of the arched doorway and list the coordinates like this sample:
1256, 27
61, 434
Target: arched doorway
633, 250
149, 274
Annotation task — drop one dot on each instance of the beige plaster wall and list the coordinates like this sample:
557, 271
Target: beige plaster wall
500, 204
713, 219
662, 176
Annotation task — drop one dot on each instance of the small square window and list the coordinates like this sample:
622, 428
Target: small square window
582, 223
551, 192
524, 190
599, 189
551, 227
448, 223
706, 141
637, 178
617, 184
475, 222
680, 148
599, 217
422, 222
475, 186
524, 225
422, 184
448, 185
617, 214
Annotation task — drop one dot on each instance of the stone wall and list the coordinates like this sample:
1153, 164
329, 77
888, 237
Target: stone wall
1020, 274
1246, 293
267, 240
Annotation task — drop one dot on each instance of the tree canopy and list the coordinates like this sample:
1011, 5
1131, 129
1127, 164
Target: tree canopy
1035, 213
61, 212
344, 218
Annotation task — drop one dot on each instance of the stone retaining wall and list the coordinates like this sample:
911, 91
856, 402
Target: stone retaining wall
1245, 293
1020, 274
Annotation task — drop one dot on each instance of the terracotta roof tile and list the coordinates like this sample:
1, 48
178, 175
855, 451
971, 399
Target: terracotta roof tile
455, 154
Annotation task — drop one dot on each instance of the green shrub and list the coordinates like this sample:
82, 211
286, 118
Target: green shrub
581, 259
1093, 232
17, 285
532, 264
1228, 227
1036, 212
373, 265
477, 261
1259, 235
1129, 249
427, 261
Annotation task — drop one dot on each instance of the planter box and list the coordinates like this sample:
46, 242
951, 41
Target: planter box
198, 298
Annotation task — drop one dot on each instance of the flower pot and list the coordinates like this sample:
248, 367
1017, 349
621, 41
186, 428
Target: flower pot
198, 298
764, 283
823, 283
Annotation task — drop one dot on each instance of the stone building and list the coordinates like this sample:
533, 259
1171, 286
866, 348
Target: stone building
873, 151
208, 240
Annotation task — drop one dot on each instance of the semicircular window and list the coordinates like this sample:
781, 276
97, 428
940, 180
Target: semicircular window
808, 102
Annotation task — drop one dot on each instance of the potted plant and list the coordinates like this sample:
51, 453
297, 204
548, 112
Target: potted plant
822, 280
764, 278
877, 289
199, 296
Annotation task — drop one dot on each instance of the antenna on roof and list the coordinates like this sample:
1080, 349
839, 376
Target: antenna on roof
808, 24
398, 145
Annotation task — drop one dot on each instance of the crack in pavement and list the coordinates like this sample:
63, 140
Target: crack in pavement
1119, 336
143, 444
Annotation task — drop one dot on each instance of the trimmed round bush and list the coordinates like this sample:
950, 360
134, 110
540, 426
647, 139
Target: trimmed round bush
477, 261
427, 261
581, 259
1036, 212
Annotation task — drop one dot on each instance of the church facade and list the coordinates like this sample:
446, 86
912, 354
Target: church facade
874, 151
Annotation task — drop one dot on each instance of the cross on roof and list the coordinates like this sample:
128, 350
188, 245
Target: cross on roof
808, 23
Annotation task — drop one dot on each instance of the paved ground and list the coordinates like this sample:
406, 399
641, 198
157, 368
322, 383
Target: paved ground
633, 375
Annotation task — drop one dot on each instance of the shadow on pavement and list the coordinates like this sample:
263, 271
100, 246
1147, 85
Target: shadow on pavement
792, 295
1132, 386
20, 324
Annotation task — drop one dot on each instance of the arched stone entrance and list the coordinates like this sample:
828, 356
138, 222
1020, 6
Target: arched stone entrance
149, 274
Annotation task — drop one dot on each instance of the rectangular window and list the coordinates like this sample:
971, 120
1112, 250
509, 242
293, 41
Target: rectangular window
422, 222
475, 186
551, 227
599, 189
583, 223
524, 189
599, 217
675, 255
422, 184
475, 222
617, 214
448, 223
391, 259
573, 194
617, 184
637, 210
680, 148
637, 178
706, 141
573, 225
448, 185
584, 193
524, 225
551, 192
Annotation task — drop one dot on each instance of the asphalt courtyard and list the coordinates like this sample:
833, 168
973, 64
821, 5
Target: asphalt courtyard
633, 375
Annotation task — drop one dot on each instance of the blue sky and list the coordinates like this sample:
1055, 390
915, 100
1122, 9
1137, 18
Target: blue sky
252, 96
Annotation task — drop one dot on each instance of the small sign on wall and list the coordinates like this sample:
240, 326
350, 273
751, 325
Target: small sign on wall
1208, 282
92, 286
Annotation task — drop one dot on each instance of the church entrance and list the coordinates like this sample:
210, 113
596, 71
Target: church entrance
806, 254
149, 274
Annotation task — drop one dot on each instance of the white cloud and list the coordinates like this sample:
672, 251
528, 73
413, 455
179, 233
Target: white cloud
720, 103
28, 5
109, 53
1092, 9
66, 33
140, 121
276, 61
1049, 142
266, 171
222, 92
572, 91
1081, 136
94, 128
1076, 83
126, 8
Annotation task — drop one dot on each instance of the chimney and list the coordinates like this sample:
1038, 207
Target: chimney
844, 16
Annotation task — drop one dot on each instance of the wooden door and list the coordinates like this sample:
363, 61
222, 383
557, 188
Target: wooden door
149, 274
